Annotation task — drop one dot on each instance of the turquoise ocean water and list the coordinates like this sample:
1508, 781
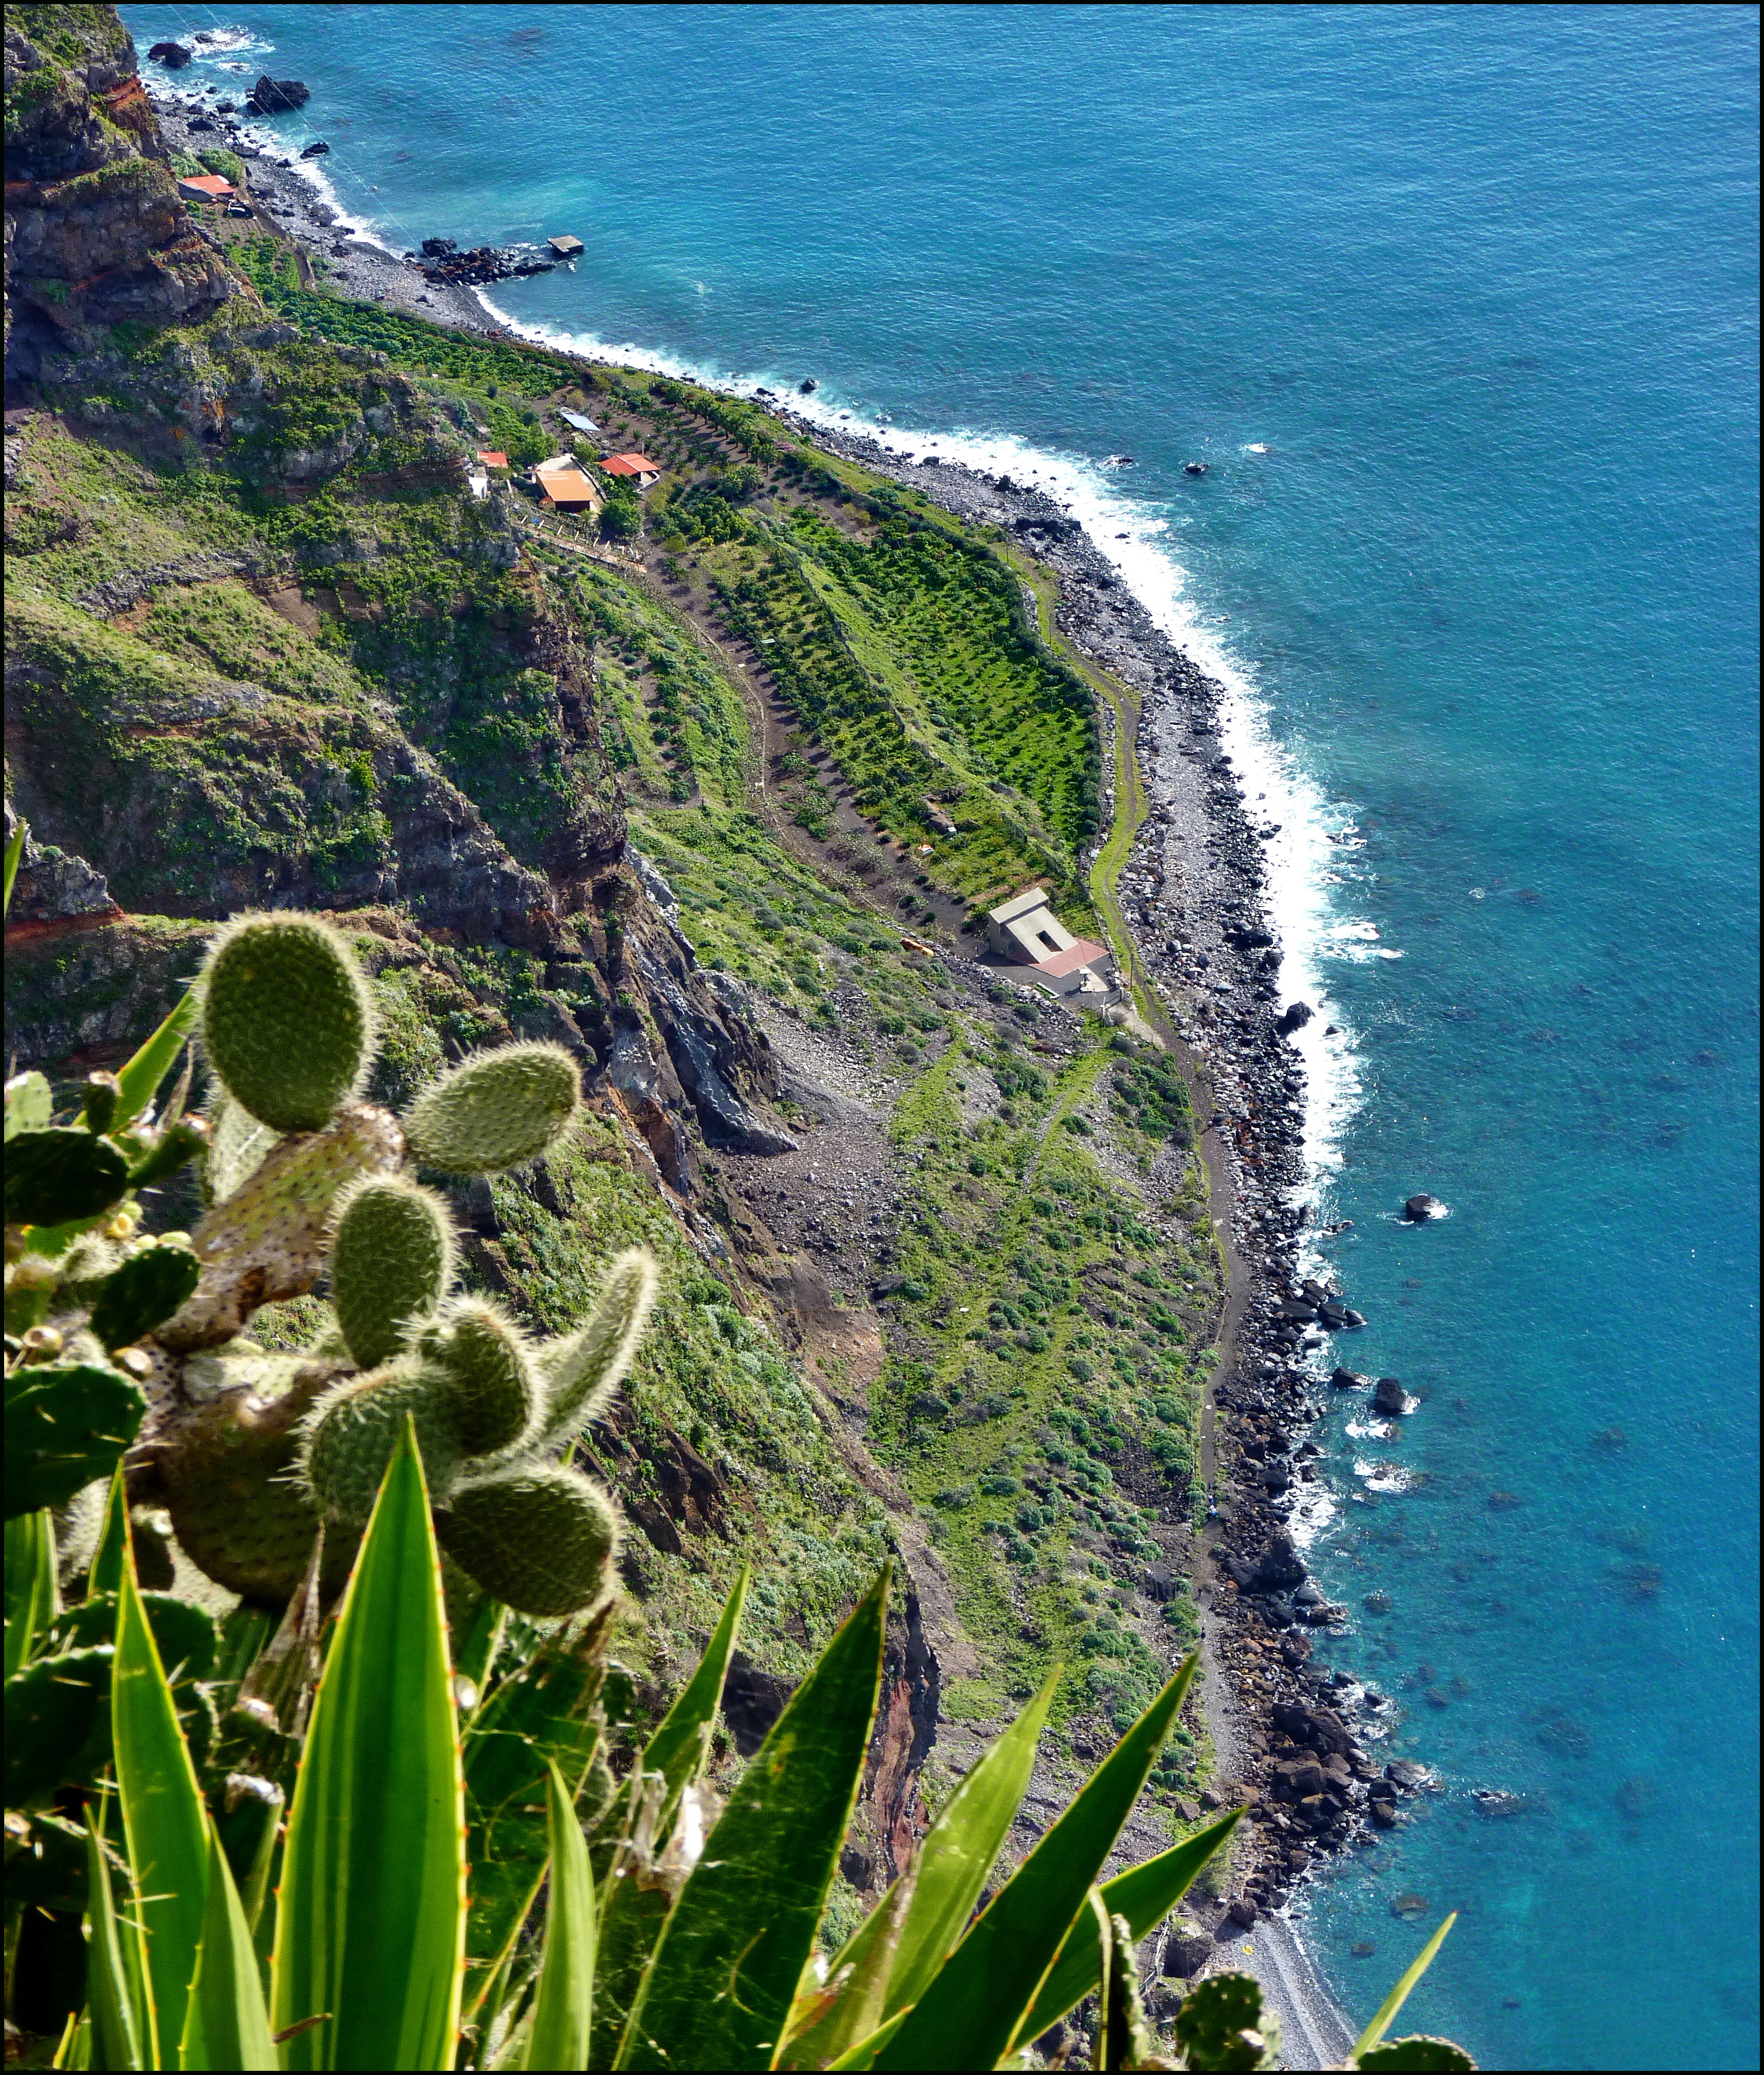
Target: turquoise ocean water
1459, 305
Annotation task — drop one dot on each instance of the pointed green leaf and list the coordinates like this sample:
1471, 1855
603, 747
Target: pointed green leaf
959, 1853
227, 2026
105, 1573
32, 1599
563, 2010
1399, 1995
138, 1082
854, 2004
1144, 1894
676, 1750
971, 2011
865, 2053
14, 852
725, 1968
371, 1912
116, 2030
541, 1712
164, 1819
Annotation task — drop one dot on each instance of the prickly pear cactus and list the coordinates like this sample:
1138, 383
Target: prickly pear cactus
253, 1455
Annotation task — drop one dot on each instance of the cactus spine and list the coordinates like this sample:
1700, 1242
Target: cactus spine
498, 1111
391, 1261
286, 1018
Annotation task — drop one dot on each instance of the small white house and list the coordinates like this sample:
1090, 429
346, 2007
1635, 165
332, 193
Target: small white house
1025, 930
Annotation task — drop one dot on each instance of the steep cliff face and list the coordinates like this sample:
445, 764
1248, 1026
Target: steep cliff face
95, 234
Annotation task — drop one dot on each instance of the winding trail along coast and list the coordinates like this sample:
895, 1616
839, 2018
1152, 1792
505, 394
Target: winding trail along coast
1180, 883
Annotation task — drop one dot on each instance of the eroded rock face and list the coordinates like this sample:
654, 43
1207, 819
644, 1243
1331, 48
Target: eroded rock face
95, 232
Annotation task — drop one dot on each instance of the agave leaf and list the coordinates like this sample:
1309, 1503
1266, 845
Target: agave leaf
163, 1819
138, 1082
14, 852
1144, 1895
104, 1574
227, 2026
31, 1598
118, 2029
972, 2011
958, 1855
724, 1976
676, 1750
866, 2051
853, 2004
1399, 1996
537, 1715
563, 2009
371, 1912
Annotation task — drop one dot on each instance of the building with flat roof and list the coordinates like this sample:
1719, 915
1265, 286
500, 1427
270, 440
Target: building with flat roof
204, 186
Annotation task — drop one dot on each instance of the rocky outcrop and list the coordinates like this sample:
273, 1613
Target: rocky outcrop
95, 232
278, 96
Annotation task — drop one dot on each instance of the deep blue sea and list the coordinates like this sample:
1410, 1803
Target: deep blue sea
1459, 305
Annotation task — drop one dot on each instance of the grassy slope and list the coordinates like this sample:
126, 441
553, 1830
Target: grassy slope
1047, 1425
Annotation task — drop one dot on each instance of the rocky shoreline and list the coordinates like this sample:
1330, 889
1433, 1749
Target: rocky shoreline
1291, 1733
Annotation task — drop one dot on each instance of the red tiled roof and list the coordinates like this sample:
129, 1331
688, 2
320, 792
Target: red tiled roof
491, 459
1080, 953
208, 184
630, 464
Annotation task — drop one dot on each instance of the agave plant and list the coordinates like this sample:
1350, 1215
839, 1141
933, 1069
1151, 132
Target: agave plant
694, 1946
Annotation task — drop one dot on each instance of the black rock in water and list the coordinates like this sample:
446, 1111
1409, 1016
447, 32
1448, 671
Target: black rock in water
278, 96
1388, 1400
173, 56
1296, 1017
807, 387
315, 151
1423, 1209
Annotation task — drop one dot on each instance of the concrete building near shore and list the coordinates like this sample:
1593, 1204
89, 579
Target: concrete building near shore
1027, 932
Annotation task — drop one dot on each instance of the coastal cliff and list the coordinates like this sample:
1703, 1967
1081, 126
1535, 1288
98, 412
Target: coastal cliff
947, 1270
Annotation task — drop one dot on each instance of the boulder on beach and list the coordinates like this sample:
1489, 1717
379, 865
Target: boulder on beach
1298, 1015
278, 96
1424, 1210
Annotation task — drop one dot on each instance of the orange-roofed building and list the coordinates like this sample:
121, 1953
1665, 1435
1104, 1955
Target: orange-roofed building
637, 467
491, 459
204, 187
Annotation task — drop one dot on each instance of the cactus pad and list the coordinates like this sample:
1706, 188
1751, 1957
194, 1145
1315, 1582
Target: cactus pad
286, 1018
352, 1430
543, 1540
581, 1373
391, 1260
495, 1112
488, 1369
